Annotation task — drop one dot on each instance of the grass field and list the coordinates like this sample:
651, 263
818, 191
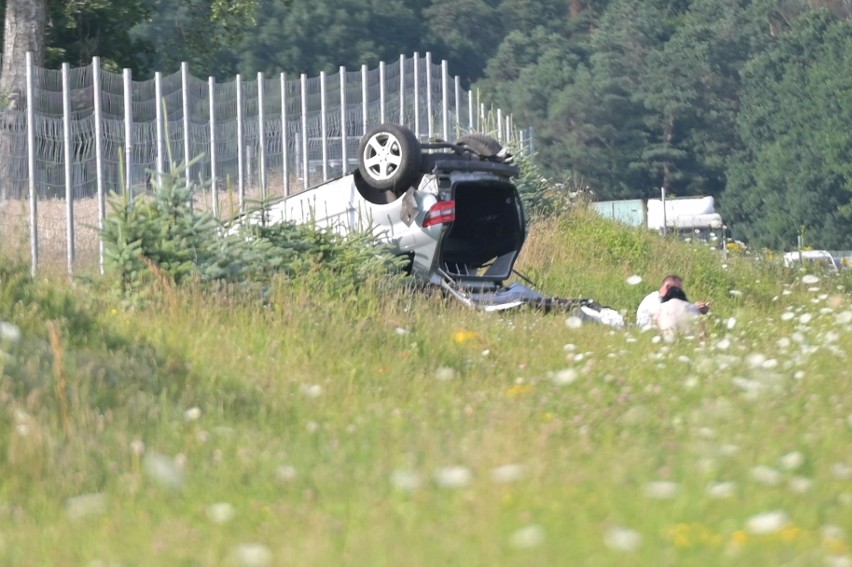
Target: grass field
397, 428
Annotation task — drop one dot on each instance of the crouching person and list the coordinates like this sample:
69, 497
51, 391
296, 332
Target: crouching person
668, 309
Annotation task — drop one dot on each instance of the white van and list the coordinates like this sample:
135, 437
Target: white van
814, 259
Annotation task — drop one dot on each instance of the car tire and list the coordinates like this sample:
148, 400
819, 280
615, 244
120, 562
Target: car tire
389, 157
482, 145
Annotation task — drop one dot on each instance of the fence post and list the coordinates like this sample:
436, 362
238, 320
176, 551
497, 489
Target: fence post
128, 130
184, 80
99, 159
500, 136
429, 123
261, 138
66, 142
416, 95
470, 123
31, 148
323, 128
241, 185
364, 94
344, 157
402, 89
158, 95
285, 166
214, 195
445, 101
304, 81
382, 92
457, 89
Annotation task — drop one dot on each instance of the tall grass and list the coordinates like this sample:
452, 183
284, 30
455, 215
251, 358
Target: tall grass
389, 427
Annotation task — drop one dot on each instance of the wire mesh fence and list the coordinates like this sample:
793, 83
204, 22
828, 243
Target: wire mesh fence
86, 132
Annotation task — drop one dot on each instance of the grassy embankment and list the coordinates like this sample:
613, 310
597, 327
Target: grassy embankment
391, 428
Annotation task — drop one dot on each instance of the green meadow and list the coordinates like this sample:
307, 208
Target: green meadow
317, 425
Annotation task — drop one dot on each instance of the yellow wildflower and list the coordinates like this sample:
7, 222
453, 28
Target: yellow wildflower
519, 390
463, 336
739, 537
790, 532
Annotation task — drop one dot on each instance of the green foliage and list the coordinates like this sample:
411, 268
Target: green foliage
309, 37
745, 101
466, 31
82, 29
795, 172
399, 425
29, 303
542, 197
156, 240
146, 236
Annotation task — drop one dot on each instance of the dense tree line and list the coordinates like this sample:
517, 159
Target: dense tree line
746, 100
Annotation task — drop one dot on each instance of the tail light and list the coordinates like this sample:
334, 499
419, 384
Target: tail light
440, 213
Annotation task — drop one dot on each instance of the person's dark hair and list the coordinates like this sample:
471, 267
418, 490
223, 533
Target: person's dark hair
672, 278
674, 292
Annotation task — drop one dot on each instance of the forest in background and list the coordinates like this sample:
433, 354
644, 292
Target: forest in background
749, 101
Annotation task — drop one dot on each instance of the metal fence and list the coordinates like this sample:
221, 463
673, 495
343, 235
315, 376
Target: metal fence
86, 132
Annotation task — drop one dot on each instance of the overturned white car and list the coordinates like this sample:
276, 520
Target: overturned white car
451, 208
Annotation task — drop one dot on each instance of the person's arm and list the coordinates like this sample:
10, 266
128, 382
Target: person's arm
647, 309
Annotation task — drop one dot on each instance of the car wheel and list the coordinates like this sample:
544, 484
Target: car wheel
484, 146
389, 157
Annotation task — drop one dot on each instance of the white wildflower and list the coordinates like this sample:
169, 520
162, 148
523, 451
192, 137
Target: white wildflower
311, 390
728, 450
809, 279
805, 318
453, 477
767, 523
507, 474
163, 470
661, 490
137, 447
787, 315
731, 323
720, 490
838, 561
792, 460
841, 471
565, 377
286, 473
800, 484
9, 332
445, 373
735, 293
765, 475
831, 532
634, 280
405, 479
192, 414
93, 504
573, 322
527, 537
251, 555
220, 513
619, 538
